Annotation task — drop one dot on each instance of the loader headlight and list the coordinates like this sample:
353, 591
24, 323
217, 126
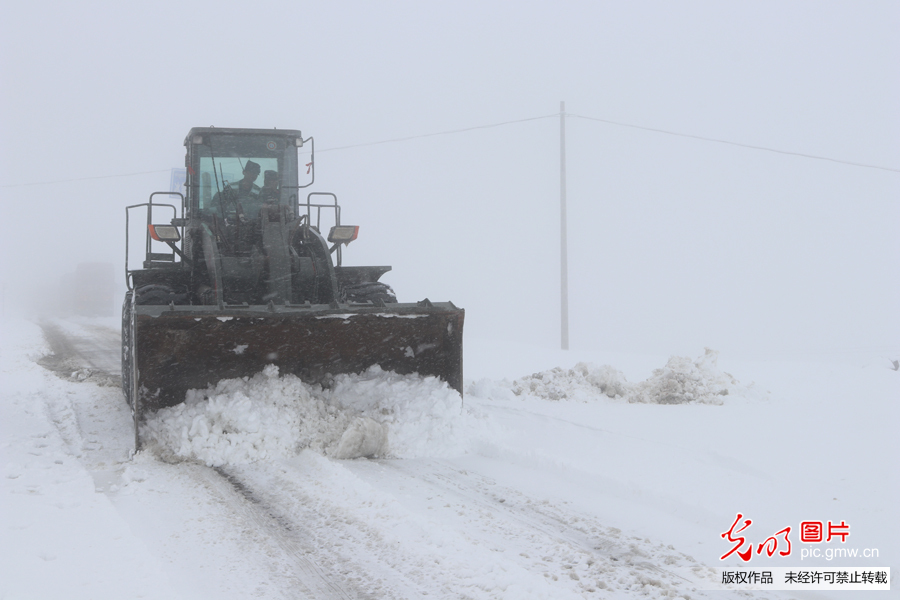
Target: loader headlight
343, 234
164, 233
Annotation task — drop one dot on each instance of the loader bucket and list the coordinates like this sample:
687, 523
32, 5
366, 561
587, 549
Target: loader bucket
177, 348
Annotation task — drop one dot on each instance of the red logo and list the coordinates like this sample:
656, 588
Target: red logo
745, 556
842, 530
771, 544
811, 532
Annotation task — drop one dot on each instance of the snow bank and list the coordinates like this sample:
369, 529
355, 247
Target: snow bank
373, 414
684, 381
681, 381
382, 414
60, 537
583, 382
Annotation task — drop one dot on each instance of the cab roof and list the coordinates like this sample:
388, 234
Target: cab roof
239, 131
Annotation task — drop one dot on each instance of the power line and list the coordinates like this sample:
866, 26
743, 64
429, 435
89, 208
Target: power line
11, 185
708, 139
424, 135
391, 141
489, 126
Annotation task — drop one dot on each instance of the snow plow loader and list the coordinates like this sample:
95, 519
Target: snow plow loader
236, 276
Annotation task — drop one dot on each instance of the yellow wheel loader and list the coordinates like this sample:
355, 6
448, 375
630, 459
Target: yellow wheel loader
238, 275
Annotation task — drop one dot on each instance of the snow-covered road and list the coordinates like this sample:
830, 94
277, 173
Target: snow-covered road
515, 496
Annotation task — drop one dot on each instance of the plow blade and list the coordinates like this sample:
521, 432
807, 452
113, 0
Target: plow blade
177, 348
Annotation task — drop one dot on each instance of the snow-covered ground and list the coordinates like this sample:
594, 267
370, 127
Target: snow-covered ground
561, 475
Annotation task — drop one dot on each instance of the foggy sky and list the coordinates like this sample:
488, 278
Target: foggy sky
675, 243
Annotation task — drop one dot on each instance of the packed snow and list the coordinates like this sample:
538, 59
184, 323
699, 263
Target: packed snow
380, 414
373, 414
681, 381
612, 478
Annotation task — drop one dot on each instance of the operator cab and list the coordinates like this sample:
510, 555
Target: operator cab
233, 173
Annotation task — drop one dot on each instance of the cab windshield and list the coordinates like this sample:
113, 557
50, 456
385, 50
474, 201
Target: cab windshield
260, 166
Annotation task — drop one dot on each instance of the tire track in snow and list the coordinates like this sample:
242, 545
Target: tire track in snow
540, 529
96, 429
248, 505
298, 495
80, 351
560, 536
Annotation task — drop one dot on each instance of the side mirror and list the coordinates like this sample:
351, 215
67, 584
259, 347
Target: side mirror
306, 161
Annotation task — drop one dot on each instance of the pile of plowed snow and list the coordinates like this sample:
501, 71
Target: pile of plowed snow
681, 381
382, 414
373, 414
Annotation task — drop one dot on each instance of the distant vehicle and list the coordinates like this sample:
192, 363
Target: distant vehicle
240, 276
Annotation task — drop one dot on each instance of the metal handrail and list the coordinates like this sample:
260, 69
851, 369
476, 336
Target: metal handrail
147, 246
309, 206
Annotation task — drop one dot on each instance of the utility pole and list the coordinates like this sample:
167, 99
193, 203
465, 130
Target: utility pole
564, 267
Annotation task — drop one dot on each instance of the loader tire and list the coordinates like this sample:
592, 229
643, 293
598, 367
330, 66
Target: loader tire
156, 294
127, 342
373, 292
